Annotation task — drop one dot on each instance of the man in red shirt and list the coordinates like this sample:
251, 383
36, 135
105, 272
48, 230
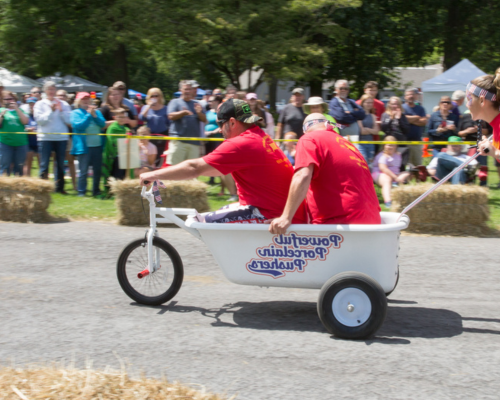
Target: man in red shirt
371, 89
260, 169
335, 178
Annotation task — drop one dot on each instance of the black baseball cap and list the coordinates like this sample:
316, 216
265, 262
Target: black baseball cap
237, 109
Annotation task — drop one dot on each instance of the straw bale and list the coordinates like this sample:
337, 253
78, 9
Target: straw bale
25, 199
53, 383
451, 210
178, 194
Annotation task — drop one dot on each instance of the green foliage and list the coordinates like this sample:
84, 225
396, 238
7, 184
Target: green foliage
154, 44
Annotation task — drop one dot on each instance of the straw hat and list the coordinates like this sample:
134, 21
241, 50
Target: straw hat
314, 101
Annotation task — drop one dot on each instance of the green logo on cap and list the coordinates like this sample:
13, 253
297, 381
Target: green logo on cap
246, 108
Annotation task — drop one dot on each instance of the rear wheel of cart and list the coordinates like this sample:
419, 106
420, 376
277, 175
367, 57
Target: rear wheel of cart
155, 288
352, 305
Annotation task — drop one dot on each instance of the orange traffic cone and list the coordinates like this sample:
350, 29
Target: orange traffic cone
425, 152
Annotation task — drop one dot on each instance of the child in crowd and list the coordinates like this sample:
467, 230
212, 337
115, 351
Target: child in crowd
387, 169
289, 147
110, 157
148, 152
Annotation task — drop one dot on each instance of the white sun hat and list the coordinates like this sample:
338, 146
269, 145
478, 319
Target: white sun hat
315, 101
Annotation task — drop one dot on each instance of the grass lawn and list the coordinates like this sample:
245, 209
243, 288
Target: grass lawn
87, 208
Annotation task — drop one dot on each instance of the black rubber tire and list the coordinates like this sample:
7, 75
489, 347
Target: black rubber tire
395, 285
359, 281
178, 271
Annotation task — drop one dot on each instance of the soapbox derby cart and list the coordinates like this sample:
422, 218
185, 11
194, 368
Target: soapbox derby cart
354, 266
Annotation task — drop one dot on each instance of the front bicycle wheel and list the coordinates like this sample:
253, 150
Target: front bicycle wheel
157, 287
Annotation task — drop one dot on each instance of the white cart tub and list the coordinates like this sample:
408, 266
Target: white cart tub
308, 255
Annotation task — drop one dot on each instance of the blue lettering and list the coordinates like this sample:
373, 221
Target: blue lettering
263, 252
336, 240
299, 264
321, 251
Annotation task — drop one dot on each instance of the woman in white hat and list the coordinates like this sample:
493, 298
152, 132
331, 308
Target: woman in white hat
316, 104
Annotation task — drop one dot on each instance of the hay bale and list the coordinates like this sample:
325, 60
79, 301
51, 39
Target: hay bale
25, 199
57, 383
456, 210
178, 194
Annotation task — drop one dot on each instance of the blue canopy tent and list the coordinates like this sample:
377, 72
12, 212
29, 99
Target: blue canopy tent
456, 78
133, 93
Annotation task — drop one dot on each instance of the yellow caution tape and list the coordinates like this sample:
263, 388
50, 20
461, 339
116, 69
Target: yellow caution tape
195, 139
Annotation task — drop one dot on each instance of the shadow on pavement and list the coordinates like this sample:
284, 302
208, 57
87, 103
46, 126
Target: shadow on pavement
401, 323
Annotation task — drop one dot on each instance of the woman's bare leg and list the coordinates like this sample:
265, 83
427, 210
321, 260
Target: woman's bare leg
385, 182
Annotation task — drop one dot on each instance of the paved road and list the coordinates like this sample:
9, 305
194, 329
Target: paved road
59, 299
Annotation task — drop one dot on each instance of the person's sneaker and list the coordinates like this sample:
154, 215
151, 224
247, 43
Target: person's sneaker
232, 199
394, 184
388, 204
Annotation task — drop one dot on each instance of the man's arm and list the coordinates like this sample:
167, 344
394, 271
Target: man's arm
416, 120
279, 131
298, 191
357, 111
199, 112
188, 169
281, 121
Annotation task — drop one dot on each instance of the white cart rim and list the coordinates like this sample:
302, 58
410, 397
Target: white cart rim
351, 307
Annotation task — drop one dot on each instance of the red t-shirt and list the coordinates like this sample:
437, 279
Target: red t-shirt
379, 107
495, 124
341, 190
260, 169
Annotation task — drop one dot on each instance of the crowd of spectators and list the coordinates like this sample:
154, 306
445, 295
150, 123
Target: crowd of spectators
53, 114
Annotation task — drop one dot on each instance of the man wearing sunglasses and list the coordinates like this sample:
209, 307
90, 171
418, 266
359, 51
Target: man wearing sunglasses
119, 85
334, 177
345, 111
261, 170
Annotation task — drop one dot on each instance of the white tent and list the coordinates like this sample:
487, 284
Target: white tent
456, 78
72, 83
16, 83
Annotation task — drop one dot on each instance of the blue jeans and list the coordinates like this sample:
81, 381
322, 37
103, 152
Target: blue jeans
367, 151
12, 155
45, 149
94, 158
446, 164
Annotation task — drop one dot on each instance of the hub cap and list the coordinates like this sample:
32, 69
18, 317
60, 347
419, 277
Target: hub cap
351, 307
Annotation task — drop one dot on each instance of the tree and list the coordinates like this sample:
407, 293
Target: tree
86, 38
223, 38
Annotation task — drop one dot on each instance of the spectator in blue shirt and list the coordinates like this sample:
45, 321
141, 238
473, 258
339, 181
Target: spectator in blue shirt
415, 114
186, 115
155, 115
442, 124
87, 148
346, 112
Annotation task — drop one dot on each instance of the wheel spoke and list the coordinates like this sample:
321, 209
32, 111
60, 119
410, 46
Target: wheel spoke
154, 284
